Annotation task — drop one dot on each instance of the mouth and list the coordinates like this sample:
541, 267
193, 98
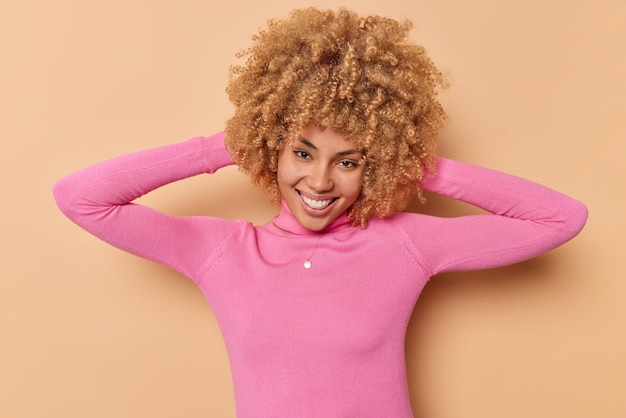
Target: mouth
316, 203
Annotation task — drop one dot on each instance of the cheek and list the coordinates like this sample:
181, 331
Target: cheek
352, 186
286, 174
281, 172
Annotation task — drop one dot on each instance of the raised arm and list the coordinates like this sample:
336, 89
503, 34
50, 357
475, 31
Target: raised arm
99, 198
525, 219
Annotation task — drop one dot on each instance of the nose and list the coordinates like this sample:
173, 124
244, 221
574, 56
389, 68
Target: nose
320, 178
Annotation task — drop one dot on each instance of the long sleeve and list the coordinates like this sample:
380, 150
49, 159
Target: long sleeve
525, 219
99, 199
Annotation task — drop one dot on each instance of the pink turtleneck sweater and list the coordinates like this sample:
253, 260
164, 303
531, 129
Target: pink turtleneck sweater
326, 341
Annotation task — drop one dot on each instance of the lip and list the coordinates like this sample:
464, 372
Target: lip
316, 211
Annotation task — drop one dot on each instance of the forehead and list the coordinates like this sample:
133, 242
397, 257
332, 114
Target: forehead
325, 138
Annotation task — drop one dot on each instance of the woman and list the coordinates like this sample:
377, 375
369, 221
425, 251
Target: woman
336, 118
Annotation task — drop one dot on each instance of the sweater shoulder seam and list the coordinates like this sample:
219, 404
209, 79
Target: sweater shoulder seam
414, 253
217, 254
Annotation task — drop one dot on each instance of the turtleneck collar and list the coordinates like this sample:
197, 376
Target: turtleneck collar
286, 222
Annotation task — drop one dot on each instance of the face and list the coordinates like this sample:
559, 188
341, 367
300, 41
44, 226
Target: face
320, 176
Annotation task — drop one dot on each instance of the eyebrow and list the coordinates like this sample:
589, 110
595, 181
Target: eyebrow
309, 144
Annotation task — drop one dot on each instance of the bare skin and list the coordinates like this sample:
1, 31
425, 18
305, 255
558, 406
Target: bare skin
320, 176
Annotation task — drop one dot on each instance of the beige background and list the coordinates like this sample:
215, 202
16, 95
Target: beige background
88, 331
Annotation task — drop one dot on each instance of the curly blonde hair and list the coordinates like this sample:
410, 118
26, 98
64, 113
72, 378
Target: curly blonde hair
359, 76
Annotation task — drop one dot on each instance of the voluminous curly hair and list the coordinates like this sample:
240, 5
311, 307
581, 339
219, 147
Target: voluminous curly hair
360, 76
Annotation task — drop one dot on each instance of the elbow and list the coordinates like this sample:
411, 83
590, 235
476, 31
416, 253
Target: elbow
62, 193
575, 218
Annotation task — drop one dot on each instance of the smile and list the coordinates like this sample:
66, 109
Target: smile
316, 204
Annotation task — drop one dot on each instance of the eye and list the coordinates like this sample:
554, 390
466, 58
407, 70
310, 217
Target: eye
301, 154
348, 164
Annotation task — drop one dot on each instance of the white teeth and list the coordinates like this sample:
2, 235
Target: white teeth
316, 204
